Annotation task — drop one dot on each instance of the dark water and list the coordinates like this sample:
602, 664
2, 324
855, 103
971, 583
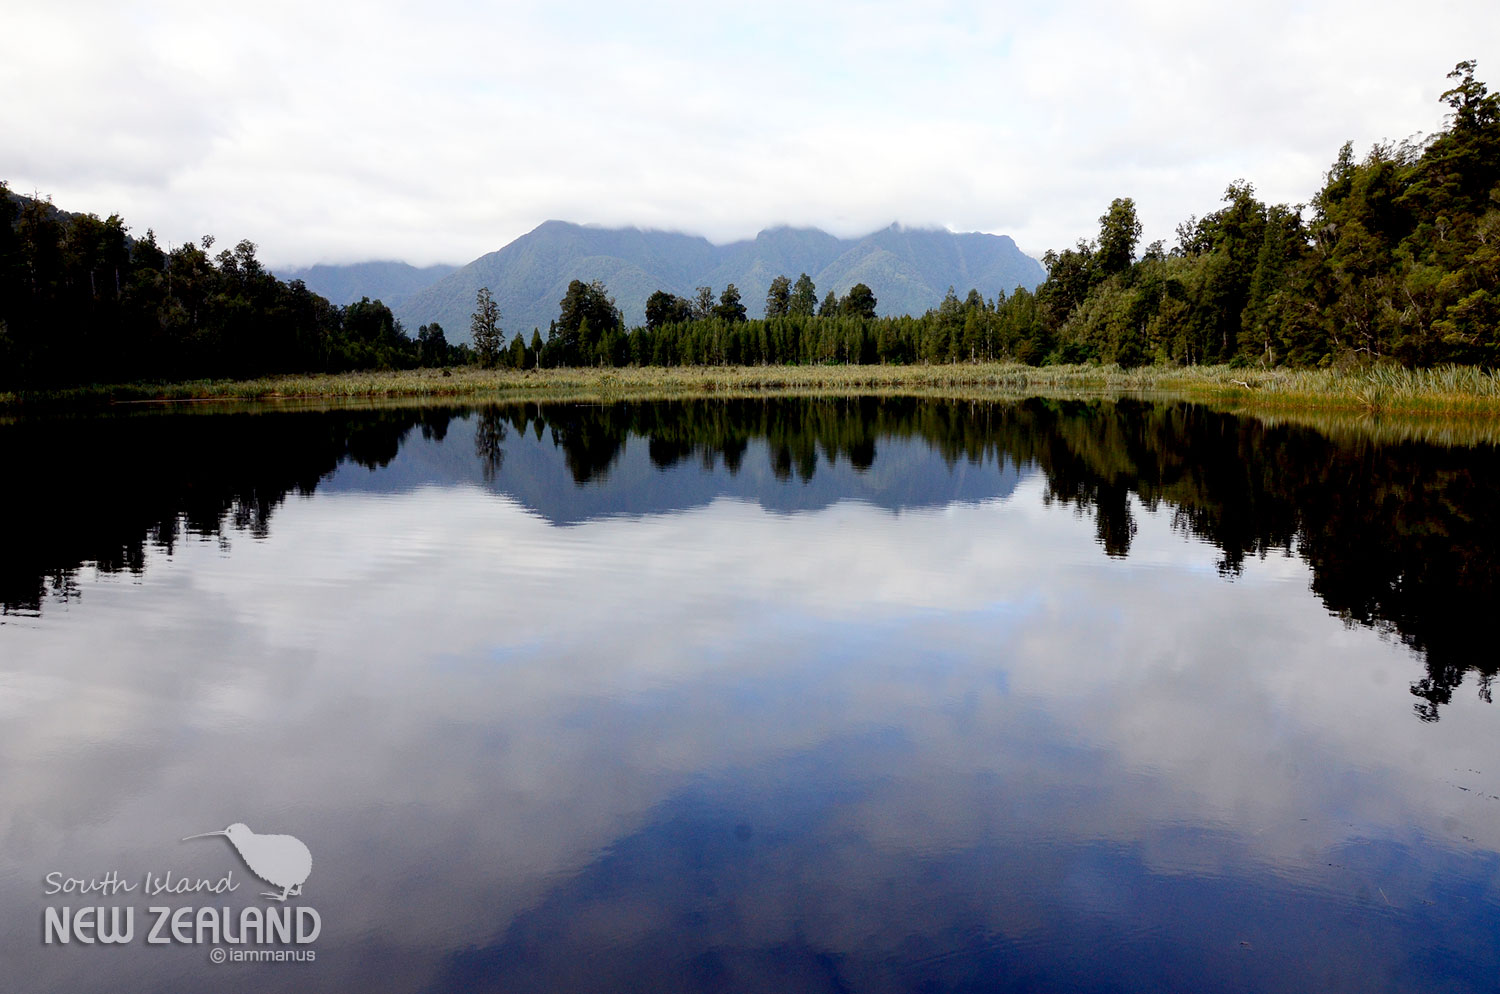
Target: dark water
786, 695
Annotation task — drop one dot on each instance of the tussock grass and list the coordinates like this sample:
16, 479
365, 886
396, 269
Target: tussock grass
1442, 392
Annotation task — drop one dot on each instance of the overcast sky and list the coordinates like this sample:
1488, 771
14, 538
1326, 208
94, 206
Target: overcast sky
438, 131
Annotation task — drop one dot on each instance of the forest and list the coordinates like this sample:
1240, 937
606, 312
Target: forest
1395, 259
82, 301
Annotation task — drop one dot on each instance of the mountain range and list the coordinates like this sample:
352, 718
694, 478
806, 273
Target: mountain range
910, 269
391, 282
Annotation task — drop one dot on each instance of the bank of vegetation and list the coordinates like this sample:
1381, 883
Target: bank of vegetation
1445, 391
1392, 267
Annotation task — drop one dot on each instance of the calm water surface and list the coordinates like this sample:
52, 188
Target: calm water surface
785, 695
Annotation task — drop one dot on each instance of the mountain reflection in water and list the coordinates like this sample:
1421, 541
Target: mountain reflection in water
1400, 537
812, 695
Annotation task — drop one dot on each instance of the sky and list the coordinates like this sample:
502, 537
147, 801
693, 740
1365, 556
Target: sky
436, 132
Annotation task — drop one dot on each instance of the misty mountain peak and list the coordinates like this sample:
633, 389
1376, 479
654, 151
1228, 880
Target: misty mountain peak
908, 268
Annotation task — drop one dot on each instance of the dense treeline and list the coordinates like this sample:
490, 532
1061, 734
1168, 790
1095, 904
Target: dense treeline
80, 300
590, 331
1397, 257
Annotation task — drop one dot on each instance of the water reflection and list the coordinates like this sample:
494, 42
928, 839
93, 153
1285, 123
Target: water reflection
1398, 535
792, 695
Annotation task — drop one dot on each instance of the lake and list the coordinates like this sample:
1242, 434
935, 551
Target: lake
752, 695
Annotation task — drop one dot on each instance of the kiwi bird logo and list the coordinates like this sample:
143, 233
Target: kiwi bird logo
280, 860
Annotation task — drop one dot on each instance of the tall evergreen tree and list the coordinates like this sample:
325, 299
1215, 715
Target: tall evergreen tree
859, 302
804, 298
730, 308
484, 328
703, 303
1119, 230
779, 298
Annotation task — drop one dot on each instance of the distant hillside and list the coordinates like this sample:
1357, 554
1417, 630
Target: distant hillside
56, 213
390, 282
908, 268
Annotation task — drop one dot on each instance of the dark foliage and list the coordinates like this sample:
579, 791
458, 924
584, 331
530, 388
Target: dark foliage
81, 301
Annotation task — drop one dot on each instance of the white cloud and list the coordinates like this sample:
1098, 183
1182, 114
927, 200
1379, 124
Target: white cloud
438, 132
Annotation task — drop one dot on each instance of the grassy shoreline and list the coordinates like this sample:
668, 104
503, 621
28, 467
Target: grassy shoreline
1441, 392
